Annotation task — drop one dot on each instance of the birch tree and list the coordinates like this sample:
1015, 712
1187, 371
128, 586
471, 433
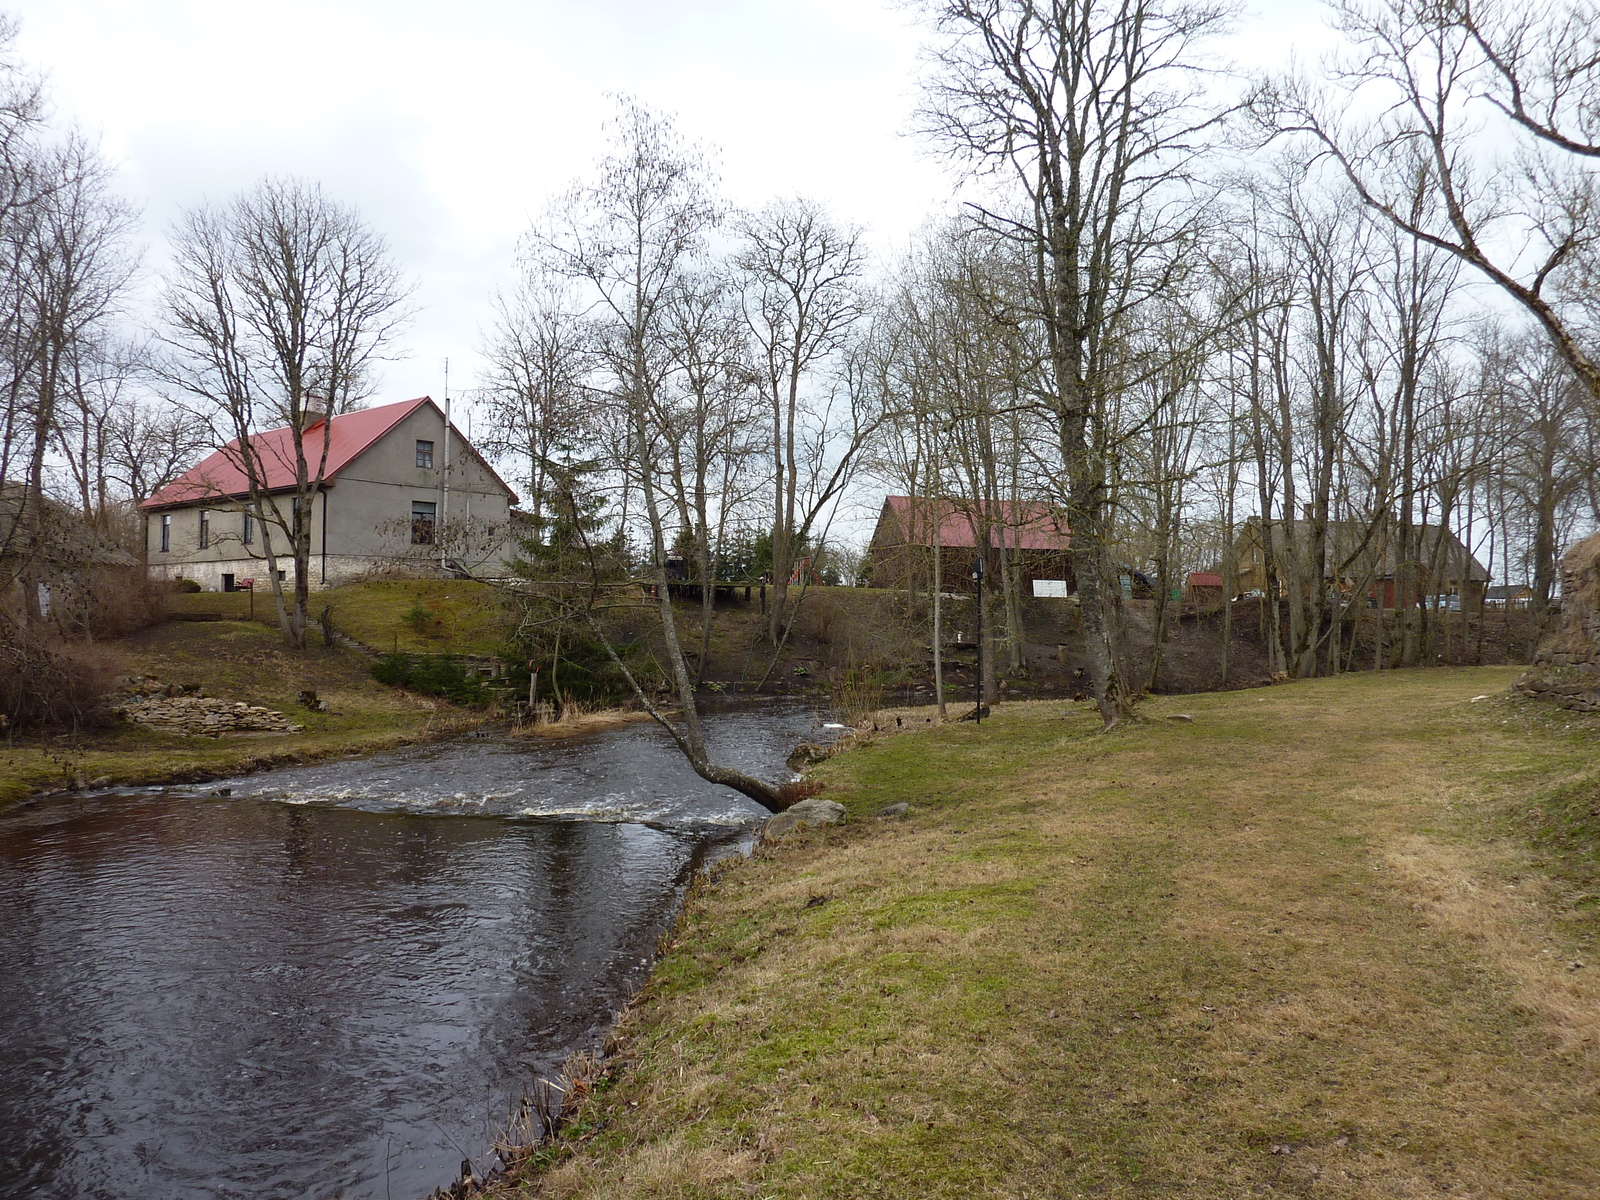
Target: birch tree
629, 240
801, 274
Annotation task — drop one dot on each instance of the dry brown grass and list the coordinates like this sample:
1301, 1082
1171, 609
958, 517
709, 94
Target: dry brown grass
576, 718
1284, 950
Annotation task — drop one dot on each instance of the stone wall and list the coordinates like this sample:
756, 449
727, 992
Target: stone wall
1566, 672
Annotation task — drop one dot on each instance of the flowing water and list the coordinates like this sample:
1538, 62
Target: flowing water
336, 980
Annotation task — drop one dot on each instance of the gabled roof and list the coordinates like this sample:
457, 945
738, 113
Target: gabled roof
222, 474
1356, 544
1028, 525
40, 529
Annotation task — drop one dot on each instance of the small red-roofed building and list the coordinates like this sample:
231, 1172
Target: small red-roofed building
1034, 535
386, 503
1203, 587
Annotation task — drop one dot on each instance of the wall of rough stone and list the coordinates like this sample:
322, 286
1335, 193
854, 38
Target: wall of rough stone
1567, 670
1577, 639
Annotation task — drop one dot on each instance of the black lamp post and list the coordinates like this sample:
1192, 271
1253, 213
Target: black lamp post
977, 576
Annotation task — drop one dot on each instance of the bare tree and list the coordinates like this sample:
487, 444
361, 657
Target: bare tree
1093, 109
277, 306
1432, 71
802, 278
708, 416
149, 444
629, 239
541, 411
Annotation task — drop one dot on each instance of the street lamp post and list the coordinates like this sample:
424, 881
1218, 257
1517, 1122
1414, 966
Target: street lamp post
977, 576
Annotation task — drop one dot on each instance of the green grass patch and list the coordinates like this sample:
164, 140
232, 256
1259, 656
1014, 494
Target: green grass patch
413, 616
236, 660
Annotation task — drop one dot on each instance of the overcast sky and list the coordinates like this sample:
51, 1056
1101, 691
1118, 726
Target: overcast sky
451, 126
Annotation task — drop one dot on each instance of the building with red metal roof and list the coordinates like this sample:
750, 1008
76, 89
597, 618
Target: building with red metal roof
1033, 535
399, 491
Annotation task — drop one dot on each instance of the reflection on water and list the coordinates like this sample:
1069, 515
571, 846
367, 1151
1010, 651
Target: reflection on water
341, 995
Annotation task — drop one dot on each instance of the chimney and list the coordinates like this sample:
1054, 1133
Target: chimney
314, 410
1306, 511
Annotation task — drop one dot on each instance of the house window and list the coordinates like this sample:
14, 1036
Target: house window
205, 529
424, 453
248, 533
422, 520
166, 532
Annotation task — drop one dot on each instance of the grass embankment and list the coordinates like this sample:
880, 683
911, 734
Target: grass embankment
236, 660
1318, 942
416, 616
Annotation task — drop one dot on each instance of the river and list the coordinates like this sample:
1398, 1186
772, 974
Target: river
337, 979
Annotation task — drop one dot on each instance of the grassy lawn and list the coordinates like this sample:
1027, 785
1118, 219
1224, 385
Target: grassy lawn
236, 660
1319, 942
457, 616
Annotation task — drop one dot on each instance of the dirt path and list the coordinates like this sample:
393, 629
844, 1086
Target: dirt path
1295, 946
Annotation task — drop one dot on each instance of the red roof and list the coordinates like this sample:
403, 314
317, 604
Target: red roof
1028, 525
1205, 579
222, 474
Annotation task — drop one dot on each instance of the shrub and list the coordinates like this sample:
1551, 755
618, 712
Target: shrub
186, 585
432, 675
427, 620
46, 682
121, 601
585, 671
796, 790
857, 693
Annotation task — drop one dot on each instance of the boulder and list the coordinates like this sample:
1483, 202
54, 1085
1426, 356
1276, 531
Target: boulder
895, 810
808, 754
814, 811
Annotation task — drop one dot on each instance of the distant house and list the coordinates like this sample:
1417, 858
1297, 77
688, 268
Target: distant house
1203, 587
52, 564
1357, 557
386, 503
1508, 595
903, 542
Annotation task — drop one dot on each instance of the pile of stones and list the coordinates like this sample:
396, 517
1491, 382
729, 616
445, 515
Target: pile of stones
181, 709
1571, 687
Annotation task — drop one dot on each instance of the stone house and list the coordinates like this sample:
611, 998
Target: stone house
400, 492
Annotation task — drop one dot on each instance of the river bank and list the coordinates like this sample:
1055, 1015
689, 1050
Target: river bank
1330, 937
338, 978
236, 661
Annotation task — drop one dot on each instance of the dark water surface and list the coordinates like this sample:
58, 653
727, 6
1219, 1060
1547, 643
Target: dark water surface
337, 981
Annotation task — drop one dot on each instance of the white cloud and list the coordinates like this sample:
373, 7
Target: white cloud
451, 126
